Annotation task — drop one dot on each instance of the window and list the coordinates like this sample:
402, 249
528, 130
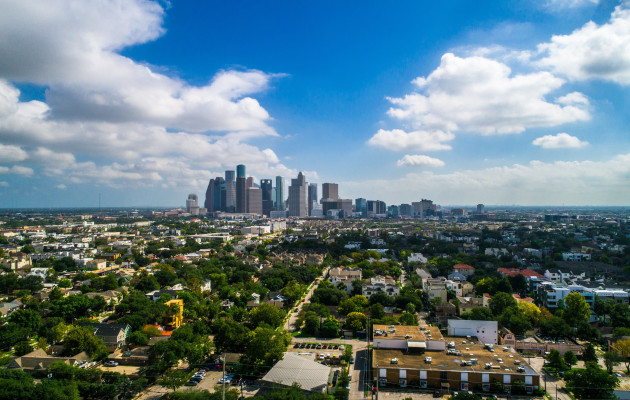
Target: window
464, 377
423, 384
443, 375
402, 382
402, 374
423, 374
485, 387
382, 381
485, 378
528, 380
464, 386
382, 373
506, 379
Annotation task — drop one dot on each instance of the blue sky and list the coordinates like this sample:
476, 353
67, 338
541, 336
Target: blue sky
521, 102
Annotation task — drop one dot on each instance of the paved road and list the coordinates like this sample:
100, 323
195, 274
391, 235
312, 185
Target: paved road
554, 386
290, 324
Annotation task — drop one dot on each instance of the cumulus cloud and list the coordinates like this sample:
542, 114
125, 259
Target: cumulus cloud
61, 186
559, 141
605, 182
111, 120
593, 51
17, 170
481, 95
9, 154
4, 184
399, 140
419, 160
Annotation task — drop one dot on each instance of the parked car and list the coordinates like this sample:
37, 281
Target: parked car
351, 360
110, 363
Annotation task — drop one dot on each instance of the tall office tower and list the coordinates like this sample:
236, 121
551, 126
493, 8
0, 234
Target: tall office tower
279, 193
393, 211
481, 209
312, 196
250, 182
208, 203
241, 189
406, 210
229, 205
240, 171
191, 202
215, 195
218, 194
298, 197
422, 208
266, 187
330, 191
360, 206
254, 201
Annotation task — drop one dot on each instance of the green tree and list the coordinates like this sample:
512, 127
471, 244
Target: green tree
266, 346
81, 339
611, 358
480, 314
466, 396
500, 301
377, 311
622, 347
330, 328
311, 323
589, 353
173, 378
570, 358
138, 338
555, 360
265, 314
356, 321
408, 319
230, 335
576, 309
22, 348
591, 382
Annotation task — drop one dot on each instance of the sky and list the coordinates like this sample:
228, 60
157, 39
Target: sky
139, 103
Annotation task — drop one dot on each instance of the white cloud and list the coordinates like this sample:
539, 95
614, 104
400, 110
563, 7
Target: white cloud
481, 95
110, 120
604, 182
9, 154
61, 186
560, 5
593, 51
399, 140
419, 160
4, 184
559, 141
17, 170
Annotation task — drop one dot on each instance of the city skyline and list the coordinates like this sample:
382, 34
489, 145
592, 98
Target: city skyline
140, 103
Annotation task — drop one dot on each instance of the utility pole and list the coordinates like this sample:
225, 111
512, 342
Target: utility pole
223, 376
377, 379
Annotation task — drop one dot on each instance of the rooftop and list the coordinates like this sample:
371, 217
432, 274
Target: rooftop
413, 333
503, 359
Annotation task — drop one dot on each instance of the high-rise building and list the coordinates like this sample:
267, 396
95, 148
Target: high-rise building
481, 209
229, 204
266, 187
254, 201
406, 210
360, 206
423, 208
298, 197
241, 189
240, 171
312, 196
250, 182
215, 195
376, 207
191, 203
330, 191
208, 202
279, 193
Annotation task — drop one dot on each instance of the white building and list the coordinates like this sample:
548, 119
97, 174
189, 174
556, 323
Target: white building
417, 257
486, 332
380, 284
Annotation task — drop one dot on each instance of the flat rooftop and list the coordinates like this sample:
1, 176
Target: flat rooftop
412, 333
502, 360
